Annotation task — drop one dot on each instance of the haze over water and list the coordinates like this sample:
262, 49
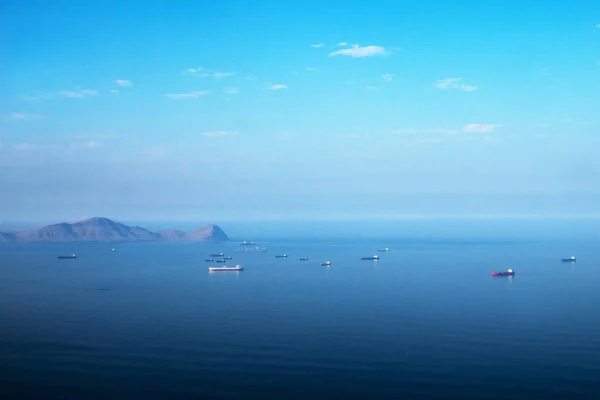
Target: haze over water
426, 321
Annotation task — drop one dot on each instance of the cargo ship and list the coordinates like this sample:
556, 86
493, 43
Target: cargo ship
220, 261
509, 272
375, 258
281, 256
326, 264
304, 259
210, 259
569, 259
384, 249
217, 255
71, 257
225, 268
244, 243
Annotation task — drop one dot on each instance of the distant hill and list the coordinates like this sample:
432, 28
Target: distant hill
105, 230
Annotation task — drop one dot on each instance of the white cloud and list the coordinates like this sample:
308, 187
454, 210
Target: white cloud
545, 71
469, 128
343, 44
278, 87
37, 97
192, 70
598, 26
24, 146
80, 93
123, 82
412, 131
231, 90
23, 116
356, 51
114, 91
371, 88
480, 128
428, 140
454, 83
203, 74
318, 45
190, 95
92, 144
217, 75
311, 69
388, 77
219, 133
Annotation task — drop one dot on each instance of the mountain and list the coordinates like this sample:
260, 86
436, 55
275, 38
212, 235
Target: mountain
105, 230
212, 231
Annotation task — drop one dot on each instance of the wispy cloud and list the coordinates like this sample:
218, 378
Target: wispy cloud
371, 88
216, 75
92, 144
469, 128
388, 77
545, 71
114, 91
37, 97
77, 94
24, 146
231, 90
189, 95
318, 45
201, 72
357, 51
123, 82
412, 131
23, 116
219, 133
428, 140
598, 26
454, 83
278, 87
343, 44
310, 69
192, 70
480, 128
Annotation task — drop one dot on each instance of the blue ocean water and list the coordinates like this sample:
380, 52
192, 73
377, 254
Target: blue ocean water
425, 321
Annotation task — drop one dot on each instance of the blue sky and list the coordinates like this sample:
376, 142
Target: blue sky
187, 110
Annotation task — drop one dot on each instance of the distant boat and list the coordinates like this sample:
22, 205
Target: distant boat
71, 257
220, 261
210, 259
226, 258
385, 249
569, 259
217, 255
281, 256
113, 250
252, 249
371, 258
326, 264
244, 243
225, 268
509, 272
304, 259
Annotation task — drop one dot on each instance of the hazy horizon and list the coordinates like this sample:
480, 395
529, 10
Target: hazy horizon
564, 228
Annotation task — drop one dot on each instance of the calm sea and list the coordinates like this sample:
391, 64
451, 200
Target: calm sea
426, 321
